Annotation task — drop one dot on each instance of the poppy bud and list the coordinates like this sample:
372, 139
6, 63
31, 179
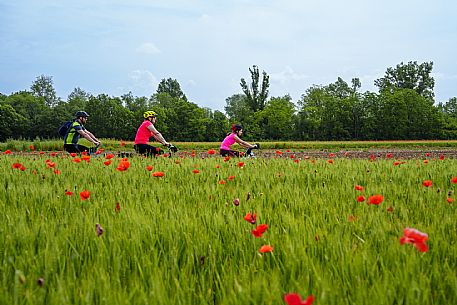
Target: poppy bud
40, 282
99, 229
236, 202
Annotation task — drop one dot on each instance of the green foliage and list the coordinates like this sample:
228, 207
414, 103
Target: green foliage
43, 88
256, 97
402, 109
172, 88
409, 76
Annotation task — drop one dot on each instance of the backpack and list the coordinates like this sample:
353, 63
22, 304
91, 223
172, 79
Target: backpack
63, 130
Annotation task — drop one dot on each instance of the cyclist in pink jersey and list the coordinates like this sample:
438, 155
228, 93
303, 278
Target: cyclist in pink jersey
231, 138
147, 130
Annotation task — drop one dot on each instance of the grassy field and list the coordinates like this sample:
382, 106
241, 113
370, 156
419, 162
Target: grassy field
181, 238
116, 145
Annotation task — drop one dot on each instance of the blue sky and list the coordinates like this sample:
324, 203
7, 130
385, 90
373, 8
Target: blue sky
114, 46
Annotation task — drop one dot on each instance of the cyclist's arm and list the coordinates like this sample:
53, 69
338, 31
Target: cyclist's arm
157, 135
243, 143
88, 136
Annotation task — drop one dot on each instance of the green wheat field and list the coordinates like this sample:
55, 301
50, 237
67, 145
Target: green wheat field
178, 230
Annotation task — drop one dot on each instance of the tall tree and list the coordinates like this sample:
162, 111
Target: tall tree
409, 76
279, 118
172, 87
256, 96
43, 87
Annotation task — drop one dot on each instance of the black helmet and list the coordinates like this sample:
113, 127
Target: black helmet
81, 114
236, 127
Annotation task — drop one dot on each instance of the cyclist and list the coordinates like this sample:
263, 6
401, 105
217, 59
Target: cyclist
231, 138
75, 132
147, 130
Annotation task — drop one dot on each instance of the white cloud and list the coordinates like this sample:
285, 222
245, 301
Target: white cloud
287, 75
148, 48
142, 83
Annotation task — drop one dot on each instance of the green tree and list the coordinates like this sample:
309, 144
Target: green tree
278, 118
109, 119
43, 87
409, 76
10, 122
256, 96
172, 87
31, 108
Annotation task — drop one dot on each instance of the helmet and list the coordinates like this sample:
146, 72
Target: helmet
148, 114
81, 114
236, 127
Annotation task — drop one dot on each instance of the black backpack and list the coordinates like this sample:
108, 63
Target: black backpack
65, 128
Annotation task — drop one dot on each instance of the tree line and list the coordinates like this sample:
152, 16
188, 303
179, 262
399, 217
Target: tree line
403, 108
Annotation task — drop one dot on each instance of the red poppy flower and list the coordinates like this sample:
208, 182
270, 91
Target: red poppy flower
68, 193
125, 159
240, 164
122, 144
397, 163
22, 168
427, 183
107, 162
41, 152
222, 182
292, 156
76, 160
296, 161
295, 299
118, 207
32, 147
53, 154
390, 209
84, 153
166, 155
73, 154
288, 150
50, 164
389, 155
149, 167
123, 166
441, 157
361, 199
358, 187
331, 155
84, 195
226, 159
85, 158
450, 200
372, 157
330, 161
211, 152
231, 178
259, 230
196, 171
427, 154
251, 218
236, 201
266, 249
7, 152
218, 166
57, 172
278, 152
16, 165
425, 161
376, 199
454, 180
109, 156
158, 174
416, 238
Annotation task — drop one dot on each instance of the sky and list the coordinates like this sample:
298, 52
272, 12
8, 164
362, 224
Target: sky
119, 46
